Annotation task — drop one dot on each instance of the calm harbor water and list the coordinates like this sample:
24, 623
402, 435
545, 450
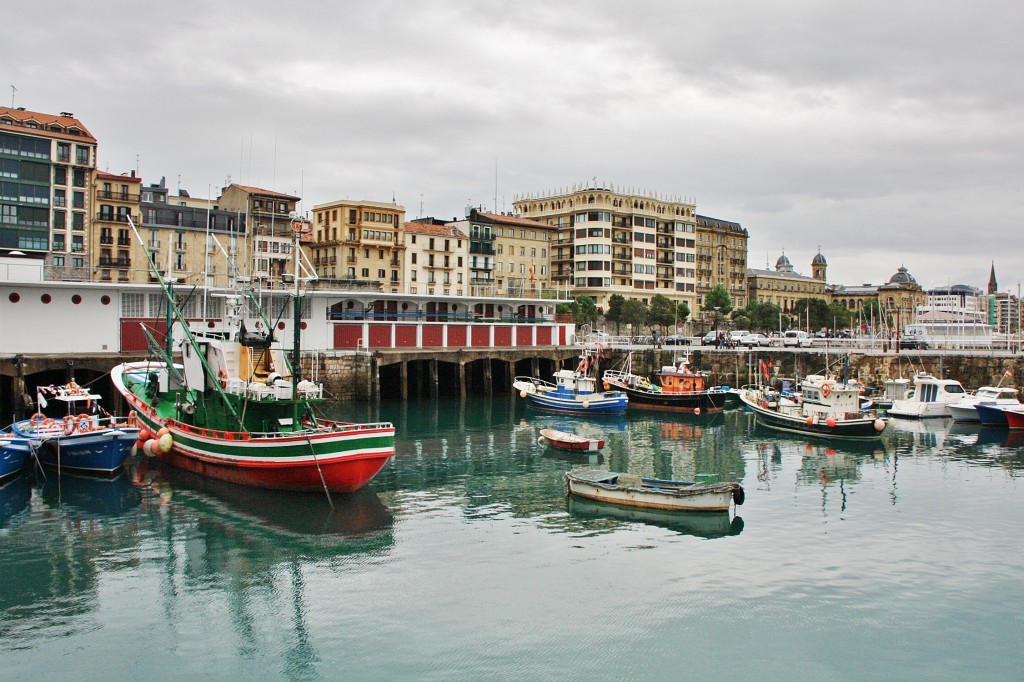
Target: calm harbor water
464, 560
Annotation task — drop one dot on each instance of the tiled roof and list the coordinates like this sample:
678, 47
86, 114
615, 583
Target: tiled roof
512, 220
46, 120
264, 192
103, 175
435, 230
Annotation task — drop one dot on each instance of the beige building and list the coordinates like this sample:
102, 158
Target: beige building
518, 251
269, 217
783, 286
436, 259
722, 260
607, 242
116, 198
358, 242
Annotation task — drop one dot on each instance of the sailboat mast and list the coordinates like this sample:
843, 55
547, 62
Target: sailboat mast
297, 313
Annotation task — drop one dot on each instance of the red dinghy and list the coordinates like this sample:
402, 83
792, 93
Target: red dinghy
570, 441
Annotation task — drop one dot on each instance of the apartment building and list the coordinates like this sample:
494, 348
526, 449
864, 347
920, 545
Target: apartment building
116, 198
192, 239
269, 216
46, 166
722, 259
436, 259
606, 241
512, 256
358, 243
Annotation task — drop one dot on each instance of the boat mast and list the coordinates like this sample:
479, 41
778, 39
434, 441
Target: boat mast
297, 320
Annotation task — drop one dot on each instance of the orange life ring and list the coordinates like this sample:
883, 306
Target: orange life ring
37, 419
84, 423
69, 425
826, 390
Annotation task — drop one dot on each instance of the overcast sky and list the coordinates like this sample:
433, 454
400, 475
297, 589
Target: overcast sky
886, 133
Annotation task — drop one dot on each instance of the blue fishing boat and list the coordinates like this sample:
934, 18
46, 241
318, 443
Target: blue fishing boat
992, 414
14, 452
85, 438
573, 391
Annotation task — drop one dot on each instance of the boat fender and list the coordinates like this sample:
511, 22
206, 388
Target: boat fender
879, 424
586, 404
738, 496
522, 394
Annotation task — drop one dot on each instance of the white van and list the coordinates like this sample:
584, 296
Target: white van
796, 338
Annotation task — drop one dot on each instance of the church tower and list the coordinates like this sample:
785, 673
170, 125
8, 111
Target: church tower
992, 286
818, 267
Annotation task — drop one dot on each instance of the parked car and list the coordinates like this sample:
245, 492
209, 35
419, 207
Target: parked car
913, 343
737, 334
754, 339
708, 339
677, 340
796, 339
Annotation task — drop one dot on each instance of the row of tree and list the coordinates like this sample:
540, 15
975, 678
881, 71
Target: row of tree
664, 314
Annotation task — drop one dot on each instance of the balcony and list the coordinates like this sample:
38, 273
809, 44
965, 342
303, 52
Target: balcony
107, 261
117, 195
106, 239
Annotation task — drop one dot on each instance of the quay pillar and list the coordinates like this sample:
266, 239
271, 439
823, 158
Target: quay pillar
535, 367
432, 369
488, 387
404, 374
462, 380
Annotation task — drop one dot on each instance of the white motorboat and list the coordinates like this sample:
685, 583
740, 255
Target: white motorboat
929, 398
965, 409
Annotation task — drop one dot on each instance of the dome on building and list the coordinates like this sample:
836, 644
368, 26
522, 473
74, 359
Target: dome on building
819, 260
902, 277
783, 264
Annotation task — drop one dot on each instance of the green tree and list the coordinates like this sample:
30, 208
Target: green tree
763, 316
718, 297
665, 312
584, 311
812, 312
634, 312
614, 312
840, 317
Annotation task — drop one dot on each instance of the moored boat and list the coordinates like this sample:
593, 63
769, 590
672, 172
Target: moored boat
14, 452
631, 490
237, 409
1015, 418
678, 388
573, 392
992, 415
929, 398
570, 441
85, 438
823, 408
964, 410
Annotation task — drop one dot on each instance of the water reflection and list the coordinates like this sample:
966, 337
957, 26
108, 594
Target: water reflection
75, 529
15, 494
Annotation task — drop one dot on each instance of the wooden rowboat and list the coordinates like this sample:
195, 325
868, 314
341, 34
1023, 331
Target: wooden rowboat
570, 441
630, 490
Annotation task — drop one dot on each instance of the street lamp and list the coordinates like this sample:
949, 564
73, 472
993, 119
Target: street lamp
717, 308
